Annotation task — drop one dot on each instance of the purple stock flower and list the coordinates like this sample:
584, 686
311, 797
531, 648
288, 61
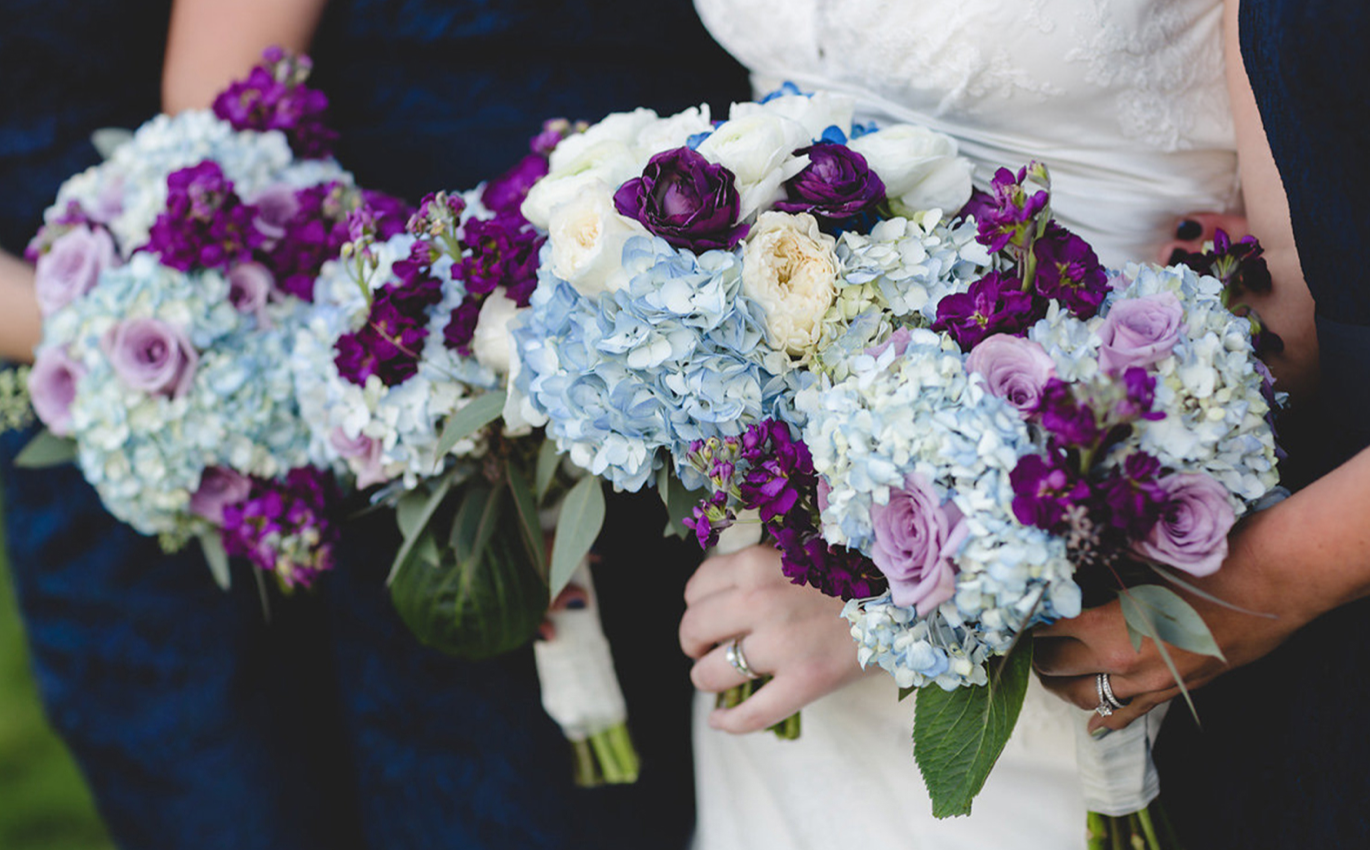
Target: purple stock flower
836, 184
506, 192
437, 212
1069, 271
152, 356
391, 341
1132, 495
284, 526
1005, 216
995, 303
708, 518
461, 326
503, 252
273, 97
52, 388
205, 224
806, 558
781, 470
916, 538
1191, 533
1044, 488
1072, 421
1140, 388
686, 200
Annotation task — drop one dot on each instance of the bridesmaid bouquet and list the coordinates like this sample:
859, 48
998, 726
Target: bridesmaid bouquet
171, 277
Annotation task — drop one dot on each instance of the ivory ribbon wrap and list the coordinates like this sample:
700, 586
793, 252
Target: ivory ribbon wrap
1117, 774
580, 690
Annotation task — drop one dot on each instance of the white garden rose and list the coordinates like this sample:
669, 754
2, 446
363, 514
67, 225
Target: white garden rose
759, 150
621, 127
587, 236
789, 267
490, 341
608, 161
673, 132
814, 113
921, 168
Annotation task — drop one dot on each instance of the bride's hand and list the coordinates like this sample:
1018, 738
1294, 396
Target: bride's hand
1193, 230
790, 632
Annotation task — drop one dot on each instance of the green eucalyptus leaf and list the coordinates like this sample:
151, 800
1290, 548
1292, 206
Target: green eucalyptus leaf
439, 490
581, 518
1139, 620
527, 513
680, 503
958, 735
466, 521
479, 412
409, 511
548, 460
46, 449
477, 607
1175, 620
213, 546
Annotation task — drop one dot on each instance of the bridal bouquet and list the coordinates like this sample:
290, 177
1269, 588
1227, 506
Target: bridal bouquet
170, 278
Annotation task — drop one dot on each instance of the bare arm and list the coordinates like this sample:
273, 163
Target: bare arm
214, 41
20, 323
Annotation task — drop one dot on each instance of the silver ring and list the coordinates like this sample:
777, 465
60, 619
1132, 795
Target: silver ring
1108, 703
738, 660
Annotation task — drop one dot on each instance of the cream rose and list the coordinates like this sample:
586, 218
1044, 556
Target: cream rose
759, 150
815, 113
587, 236
607, 161
921, 168
789, 267
490, 341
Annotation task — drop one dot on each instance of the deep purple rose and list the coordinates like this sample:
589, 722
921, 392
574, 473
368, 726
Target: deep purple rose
1191, 534
1015, 369
72, 266
52, 389
836, 184
218, 489
996, 303
152, 356
686, 200
916, 537
1140, 331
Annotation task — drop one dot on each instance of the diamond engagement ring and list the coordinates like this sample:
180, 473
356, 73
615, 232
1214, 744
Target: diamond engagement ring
738, 660
1108, 703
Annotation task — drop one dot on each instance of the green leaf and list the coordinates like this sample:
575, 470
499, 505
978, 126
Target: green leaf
419, 519
582, 516
477, 607
217, 558
466, 522
958, 735
1175, 620
679, 503
107, 140
409, 511
529, 522
548, 460
1139, 623
479, 412
905, 693
46, 449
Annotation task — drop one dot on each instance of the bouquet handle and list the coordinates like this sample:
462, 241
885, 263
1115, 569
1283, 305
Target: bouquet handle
1121, 785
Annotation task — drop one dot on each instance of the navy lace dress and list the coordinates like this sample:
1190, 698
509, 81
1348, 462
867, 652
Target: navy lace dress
1283, 757
198, 722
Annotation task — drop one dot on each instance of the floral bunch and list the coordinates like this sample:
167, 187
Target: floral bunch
171, 278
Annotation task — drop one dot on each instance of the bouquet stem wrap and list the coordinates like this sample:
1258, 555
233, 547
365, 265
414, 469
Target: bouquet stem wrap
580, 691
1121, 785
748, 531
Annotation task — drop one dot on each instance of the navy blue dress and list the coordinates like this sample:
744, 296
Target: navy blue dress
1283, 756
198, 722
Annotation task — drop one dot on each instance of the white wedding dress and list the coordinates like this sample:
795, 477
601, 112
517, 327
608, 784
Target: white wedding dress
1125, 100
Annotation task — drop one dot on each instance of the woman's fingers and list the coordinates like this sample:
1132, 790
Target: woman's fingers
776, 700
715, 619
713, 673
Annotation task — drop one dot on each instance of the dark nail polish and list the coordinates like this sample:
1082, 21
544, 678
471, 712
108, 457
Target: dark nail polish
1177, 256
575, 605
1188, 229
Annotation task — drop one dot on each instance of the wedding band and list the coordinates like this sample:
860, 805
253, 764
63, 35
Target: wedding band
1112, 700
738, 660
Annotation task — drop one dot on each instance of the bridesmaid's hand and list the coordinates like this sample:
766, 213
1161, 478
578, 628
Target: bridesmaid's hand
1193, 230
790, 632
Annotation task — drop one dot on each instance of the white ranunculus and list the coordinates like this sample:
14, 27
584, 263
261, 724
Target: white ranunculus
490, 341
608, 161
789, 267
587, 236
921, 168
673, 132
621, 127
815, 114
759, 150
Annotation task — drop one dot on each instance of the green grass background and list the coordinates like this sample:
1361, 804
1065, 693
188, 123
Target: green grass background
44, 803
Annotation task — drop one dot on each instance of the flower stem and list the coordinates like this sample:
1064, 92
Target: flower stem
607, 757
786, 730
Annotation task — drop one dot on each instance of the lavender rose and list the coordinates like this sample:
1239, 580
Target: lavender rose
276, 205
152, 356
899, 341
249, 287
1015, 369
363, 454
1140, 331
836, 184
686, 200
915, 539
52, 389
219, 488
1191, 534
72, 266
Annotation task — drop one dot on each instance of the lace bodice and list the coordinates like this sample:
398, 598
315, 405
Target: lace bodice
1124, 99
